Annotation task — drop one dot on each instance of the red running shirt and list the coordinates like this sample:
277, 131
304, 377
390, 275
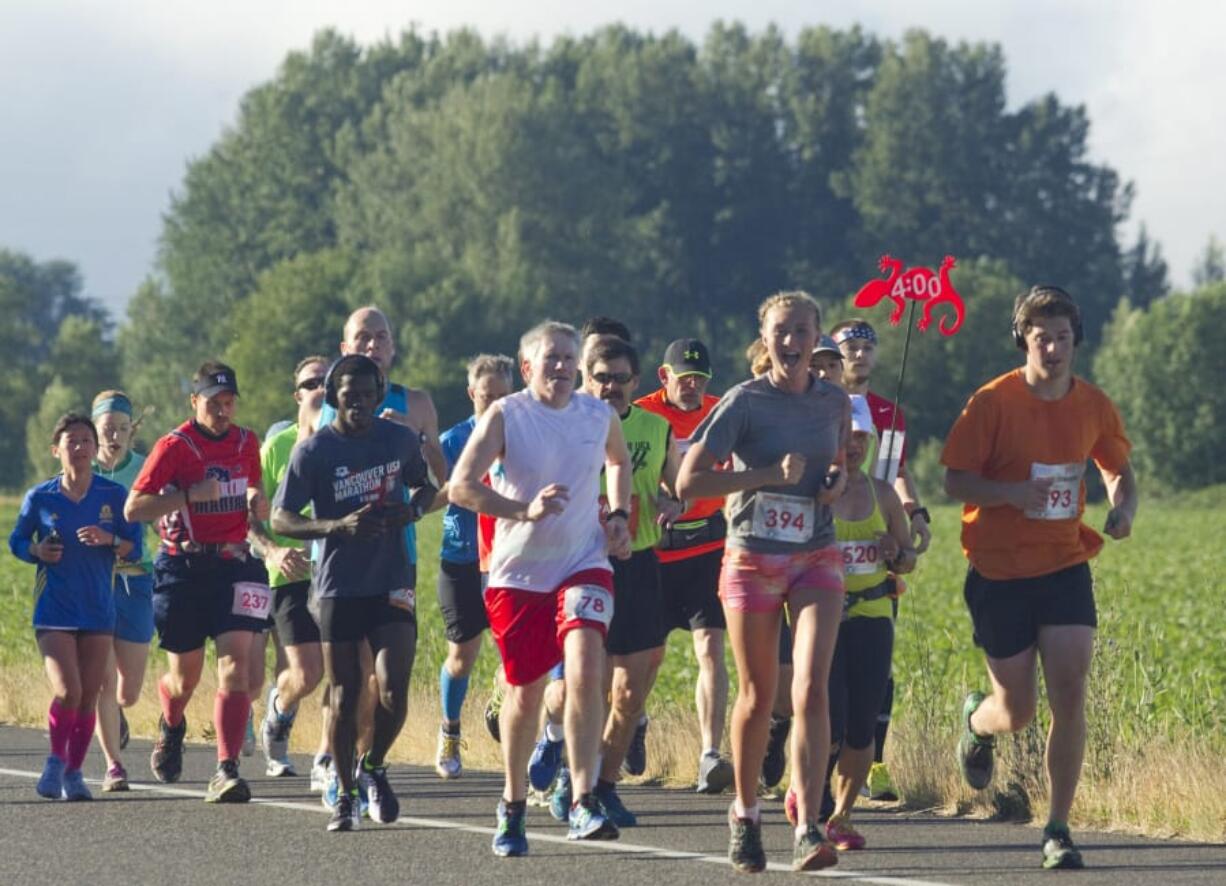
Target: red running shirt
186, 456
883, 419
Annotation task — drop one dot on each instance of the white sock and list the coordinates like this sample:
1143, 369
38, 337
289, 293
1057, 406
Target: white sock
711, 752
801, 829
553, 731
753, 813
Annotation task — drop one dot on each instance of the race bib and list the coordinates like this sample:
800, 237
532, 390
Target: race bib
403, 598
251, 599
860, 557
778, 517
1064, 495
588, 603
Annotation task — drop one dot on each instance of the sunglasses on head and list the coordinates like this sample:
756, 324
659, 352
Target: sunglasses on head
313, 383
617, 378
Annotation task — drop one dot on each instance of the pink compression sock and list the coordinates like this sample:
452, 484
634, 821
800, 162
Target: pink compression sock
230, 712
60, 721
172, 708
80, 737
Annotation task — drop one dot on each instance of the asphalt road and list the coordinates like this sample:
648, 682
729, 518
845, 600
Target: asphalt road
166, 834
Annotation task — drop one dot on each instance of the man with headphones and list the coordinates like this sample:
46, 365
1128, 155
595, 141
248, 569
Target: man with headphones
354, 471
1016, 457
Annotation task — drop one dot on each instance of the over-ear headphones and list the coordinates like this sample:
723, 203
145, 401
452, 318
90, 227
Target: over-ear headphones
346, 365
1053, 293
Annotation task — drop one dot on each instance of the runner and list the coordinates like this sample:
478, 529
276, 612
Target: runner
873, 535
690, 552
786, 433
73, 529
354, 473
132, 588
202, 483
460, 580
857, 340
550, 591
289, 576
1017, 457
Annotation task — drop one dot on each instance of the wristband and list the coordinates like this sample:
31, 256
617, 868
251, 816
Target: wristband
620, 512
116, 541
921, 512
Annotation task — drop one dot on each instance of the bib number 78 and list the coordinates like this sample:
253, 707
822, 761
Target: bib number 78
588, 603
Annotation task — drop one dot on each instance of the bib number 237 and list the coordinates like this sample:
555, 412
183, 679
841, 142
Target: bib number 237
251, 599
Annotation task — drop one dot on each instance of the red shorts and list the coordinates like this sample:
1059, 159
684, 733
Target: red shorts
529, 626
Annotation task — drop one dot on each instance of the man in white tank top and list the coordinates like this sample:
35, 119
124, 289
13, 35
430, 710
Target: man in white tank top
550, 594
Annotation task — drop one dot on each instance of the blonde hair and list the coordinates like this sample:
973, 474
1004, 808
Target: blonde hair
791, 299
490, 364
531, 340
759, 359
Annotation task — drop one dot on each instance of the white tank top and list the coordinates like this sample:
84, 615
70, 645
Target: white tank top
543, 446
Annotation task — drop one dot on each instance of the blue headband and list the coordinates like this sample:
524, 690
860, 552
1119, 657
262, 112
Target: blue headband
112, 404
860, 330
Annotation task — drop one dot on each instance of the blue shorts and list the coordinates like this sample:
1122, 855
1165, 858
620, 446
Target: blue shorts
134, 608
194, 598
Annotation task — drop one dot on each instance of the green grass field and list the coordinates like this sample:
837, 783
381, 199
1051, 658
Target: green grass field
1159, 674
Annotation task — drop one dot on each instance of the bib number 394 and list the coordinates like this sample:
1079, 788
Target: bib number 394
588, 603
780, 517
251, 599
1063, 496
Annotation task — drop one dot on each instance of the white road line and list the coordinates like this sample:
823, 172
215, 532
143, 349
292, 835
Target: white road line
536, 836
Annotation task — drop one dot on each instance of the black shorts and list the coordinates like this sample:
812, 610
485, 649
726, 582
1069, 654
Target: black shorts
638, 608
353, 619
291, 614
194, 598
691, 592
1007, 614
859, 679
460, 600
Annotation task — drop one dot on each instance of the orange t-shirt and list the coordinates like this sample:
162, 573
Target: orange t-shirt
1009, 435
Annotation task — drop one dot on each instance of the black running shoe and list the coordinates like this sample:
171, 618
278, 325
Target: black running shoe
1059, 853
975, 752
125, 733
776, 759
636, 755
383, 806
226, 785
166, 761
345, 814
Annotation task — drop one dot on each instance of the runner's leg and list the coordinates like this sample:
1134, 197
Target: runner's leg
633, 677
342, 663
711, 688
755, 648
584, 715
520, 717
1066, 652
394, 646
815, 617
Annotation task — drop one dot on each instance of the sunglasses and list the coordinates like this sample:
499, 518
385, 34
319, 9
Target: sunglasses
617, 378
311, 384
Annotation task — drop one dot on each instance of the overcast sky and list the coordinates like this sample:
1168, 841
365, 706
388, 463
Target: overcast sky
103, 104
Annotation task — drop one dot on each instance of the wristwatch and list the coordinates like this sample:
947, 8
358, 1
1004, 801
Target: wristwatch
116, 541
922, 512
620, 512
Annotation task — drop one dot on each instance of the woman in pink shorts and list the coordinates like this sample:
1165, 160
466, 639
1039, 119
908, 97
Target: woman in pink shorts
785, 434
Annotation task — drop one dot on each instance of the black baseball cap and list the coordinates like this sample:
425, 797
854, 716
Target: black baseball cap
688, 356
213, 380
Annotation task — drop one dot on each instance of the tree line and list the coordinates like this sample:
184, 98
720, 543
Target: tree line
471, 186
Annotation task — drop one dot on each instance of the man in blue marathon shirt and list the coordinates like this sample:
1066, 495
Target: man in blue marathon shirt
355, 471
459, 576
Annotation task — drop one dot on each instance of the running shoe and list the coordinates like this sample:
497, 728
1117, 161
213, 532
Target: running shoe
345, 814
330, 795
776, 759
714, 773
361, 781
115, 780
51, 782
544, 763
226, 785
511, 838
615, 809
588, 821
975, 752
559, 803
745, 844
636, 755
844, 837
125, 732
880, 786
447, 762
274, 738
789, 807
320, 773
166, 761
540, 799
1059, 853
249, 735
383, 805
75, 788
824, 812
493, 709
811, 851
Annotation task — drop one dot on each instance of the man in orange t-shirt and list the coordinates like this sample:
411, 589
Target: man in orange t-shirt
690, 554
1017, 458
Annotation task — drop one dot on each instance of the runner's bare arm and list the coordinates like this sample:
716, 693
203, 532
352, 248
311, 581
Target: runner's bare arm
698, 478
904, 487
619, 475
365, 522
1123, 494
902, 556
670, 505
145, 507
969, 487
421, 404
483, 448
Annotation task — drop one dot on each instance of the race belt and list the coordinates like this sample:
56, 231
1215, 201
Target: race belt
876, 592
693, 533
229, 550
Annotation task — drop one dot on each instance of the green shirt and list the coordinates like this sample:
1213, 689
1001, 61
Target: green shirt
647, 436
274, 461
